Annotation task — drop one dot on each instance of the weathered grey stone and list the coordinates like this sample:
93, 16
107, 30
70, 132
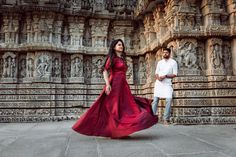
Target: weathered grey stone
52, 52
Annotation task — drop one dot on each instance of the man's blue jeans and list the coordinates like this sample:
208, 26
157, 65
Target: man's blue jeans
167, 108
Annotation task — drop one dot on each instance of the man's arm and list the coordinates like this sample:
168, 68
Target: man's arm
175, 71
170, 76
160, 78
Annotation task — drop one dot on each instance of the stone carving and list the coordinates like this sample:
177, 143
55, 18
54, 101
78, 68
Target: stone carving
136, 73
65, 36
129, 73
1, 66
29, 28
30, 67
149, 33
87, 41
35, 27
66, 67
56, 69
9, 68
77, 67
227, 57
201, 56
57, 30
216, 56
98, 5
22, 68
187, 56
151, 66
87, 68
23, 32
97, 67
142, 69
85, 4
66, 40
43, 66
44, 29
99, 29
76, 28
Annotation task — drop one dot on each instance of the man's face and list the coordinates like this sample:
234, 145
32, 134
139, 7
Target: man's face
166, 54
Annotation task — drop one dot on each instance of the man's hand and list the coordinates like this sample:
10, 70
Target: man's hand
162, 77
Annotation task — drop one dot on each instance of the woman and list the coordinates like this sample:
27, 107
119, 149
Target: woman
116, 113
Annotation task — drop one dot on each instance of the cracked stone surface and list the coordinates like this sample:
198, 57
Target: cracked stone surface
56, 139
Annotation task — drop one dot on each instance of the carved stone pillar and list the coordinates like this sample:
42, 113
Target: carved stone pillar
159, 21
99, 31
151, 66
234, 56
46, 27
142, 38
231, 8
56, 67
98, 6
76, 30
35, 27
11, 27
215, 16
29, 28
57, 32
215, 57
149, 32
22, 65
30, 68
123, 30
97, 63
130, 71
142, 71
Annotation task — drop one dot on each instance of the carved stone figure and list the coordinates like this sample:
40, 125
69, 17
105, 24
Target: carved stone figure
129, 72
56, 68
1, 66
66, 68
227, 57
9, 68
187, 56
22, 68
142, 70
216, 56
30, 67
87, 69
76, 67
43, 68
97, 68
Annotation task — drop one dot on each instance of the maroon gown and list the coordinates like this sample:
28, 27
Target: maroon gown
119, 113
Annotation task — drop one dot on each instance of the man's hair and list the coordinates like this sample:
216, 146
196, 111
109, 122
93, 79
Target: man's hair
167, 49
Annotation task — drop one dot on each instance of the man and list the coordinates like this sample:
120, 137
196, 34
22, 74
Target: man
166, 70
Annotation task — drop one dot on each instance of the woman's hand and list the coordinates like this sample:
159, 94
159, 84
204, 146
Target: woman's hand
108, 89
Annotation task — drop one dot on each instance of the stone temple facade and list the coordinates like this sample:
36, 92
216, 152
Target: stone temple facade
51, 52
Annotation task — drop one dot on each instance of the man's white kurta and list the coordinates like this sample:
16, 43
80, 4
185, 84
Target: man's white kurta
163, 89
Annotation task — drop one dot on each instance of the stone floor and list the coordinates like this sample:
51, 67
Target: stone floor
56, 139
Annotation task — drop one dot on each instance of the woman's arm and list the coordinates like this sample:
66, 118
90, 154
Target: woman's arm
106, 78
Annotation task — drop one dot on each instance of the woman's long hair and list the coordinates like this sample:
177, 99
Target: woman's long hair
111, 53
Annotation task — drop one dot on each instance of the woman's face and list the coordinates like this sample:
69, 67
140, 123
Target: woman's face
119, 47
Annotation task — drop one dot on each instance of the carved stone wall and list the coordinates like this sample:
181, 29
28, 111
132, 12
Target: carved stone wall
51, 53
202, 39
